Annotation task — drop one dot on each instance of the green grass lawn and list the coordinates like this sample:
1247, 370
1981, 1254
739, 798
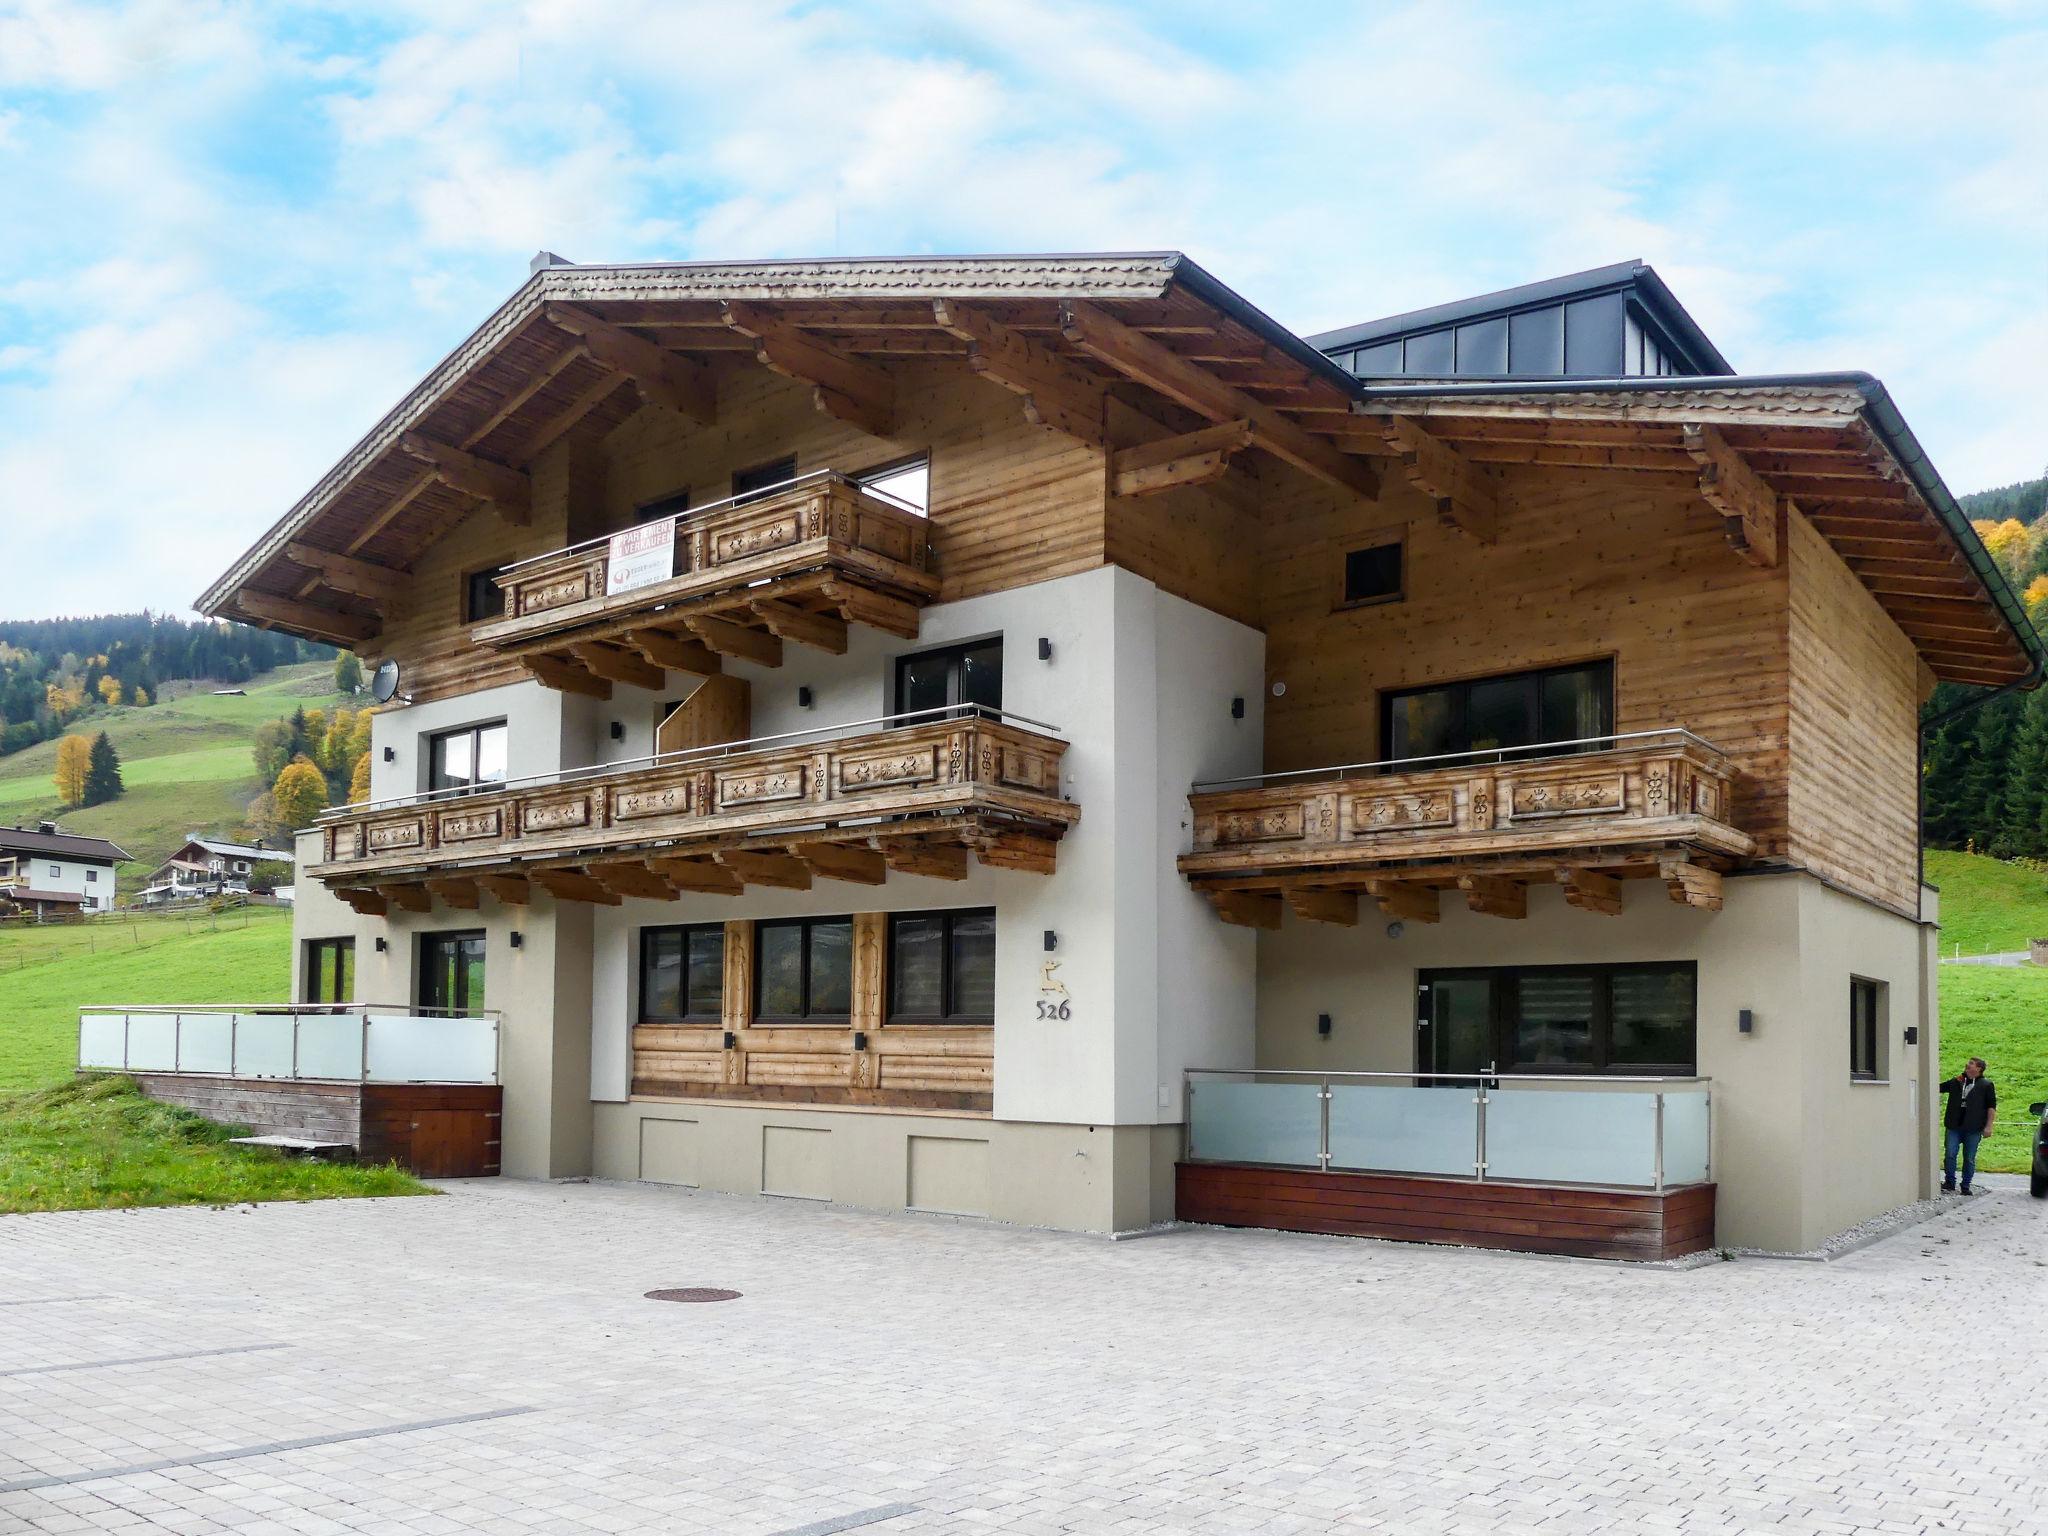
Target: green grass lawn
1987, 906
2001, 1014
97, 1143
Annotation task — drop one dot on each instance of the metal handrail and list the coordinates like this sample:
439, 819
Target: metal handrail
296, 1012
1483, 1084
743, 498
714, 752
1607, 743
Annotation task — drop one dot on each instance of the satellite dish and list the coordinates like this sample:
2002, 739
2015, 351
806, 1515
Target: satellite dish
384, 683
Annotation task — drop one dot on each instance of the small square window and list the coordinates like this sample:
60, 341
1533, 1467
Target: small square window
1867, 1010
672, 505
92, 877
482, 597
758, 480
1373, 574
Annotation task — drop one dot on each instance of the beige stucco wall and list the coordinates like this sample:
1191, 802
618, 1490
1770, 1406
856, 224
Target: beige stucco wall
1799, 1151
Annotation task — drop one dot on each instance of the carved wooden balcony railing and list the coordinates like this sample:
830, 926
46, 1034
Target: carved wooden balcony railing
881, 796
797, 563
1655, 803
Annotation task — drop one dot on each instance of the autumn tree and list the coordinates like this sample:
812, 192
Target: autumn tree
348, 673
359, 781
260, 822
110, 690
102, 772
74, 762
300, 792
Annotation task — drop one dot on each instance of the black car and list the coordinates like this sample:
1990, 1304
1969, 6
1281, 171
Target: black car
2040, 1184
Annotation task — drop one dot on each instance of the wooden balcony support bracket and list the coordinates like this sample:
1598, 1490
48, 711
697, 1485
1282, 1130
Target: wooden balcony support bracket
1405, 902
365, 903
1751, 512
508, 490
672, 652
575, 885
1494, 895
937, 861
1017, 850
703, 877
850, 862
630, 877
513, 890
408, 898
730, 639
1193, 458
758, 867
1159, 368
1469, 497
1324, 906
465, 895
329, 623
1591, 891
1246, 909
616, 665
820, 631
565, 676
376, 584
662, 377
1055, 393
877, 610
1691, 885
855, 392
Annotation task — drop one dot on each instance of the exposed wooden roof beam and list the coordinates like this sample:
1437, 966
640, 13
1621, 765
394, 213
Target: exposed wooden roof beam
760, 868
1151, 363
514, 890
408, 898
699, 875
1246, 909
1468, 497
1193, 458
937, 861
1691, 885
457, 891
1316, 906
630, 877
587, 399
1405, 902
1495, 895
575, 885
1749, 508
843, 861
854, 392
1591, 891
508, 490
345, 573
660, 375
1056, 394
312, 618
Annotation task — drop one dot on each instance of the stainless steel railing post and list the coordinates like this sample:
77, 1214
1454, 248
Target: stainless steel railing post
1660, 1142
177, 1041
1479, 1149
1323, 1135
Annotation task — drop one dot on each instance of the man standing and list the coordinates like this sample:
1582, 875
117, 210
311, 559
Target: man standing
1972, 1112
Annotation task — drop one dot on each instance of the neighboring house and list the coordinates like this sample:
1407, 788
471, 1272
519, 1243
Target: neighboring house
50, 872
1067, 683
205, 867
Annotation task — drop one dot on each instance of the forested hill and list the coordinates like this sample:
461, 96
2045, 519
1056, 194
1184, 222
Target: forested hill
2022, 503
52, 671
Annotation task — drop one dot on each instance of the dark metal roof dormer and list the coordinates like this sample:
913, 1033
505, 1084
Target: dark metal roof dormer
1612, 322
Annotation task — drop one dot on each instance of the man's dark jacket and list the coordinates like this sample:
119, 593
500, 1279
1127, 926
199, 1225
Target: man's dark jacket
1969, 1118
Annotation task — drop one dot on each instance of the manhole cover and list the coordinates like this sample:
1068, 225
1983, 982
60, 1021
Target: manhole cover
694, 1293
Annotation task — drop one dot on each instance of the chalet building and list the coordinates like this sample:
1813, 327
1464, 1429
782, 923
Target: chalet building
206, 866
1031, 736
47, 872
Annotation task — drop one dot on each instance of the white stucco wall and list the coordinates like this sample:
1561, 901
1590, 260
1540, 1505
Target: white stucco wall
91, 881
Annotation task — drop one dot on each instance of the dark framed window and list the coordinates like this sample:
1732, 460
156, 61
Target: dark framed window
467, 758
482, 597
330, 971
1372, 575
803, 970
674, 504
1640, 1019
758, 480
906, 484
682, 974
1487, 714
1866, 1028
452, 970
949, 678
942, 967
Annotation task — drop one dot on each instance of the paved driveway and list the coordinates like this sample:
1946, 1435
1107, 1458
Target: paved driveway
486, 1362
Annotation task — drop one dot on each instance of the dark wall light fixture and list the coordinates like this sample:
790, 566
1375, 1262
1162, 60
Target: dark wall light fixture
1044, 648
390, 756
1237, 707
1323, 1024
731, 1039
1052, 941
1745, 1022
803, 698
860, 1039
381, 945
618, 730
516, 939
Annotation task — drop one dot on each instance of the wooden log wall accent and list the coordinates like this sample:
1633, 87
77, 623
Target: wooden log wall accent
718, 709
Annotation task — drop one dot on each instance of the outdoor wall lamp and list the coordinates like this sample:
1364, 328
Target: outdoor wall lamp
1912, 1034
1044, 648
390, 756
1745, 1022
803, 698
860, 1040
1237, 707
618, 730
517, 939
1052, 941
731, 1039
1323, 1024
381, 945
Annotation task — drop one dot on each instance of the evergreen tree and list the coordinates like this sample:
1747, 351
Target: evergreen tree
2027, 800
1987, 782
102, 772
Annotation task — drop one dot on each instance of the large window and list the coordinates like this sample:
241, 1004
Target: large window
1640, 1019
468, 758
942, 967
757, 480
803, 971
682, 974
330, 971
452, 971
907, 485
961, 674
1866, 1028
1490, 714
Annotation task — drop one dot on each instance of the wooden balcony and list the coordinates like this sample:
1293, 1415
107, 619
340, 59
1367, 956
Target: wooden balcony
854, 805
800, 563
1653, 804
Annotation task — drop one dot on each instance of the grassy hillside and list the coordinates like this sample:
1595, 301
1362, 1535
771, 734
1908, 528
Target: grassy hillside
1987, 906
2000, 1013
186, 761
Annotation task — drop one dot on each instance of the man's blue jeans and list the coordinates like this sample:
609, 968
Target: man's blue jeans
1968, 1142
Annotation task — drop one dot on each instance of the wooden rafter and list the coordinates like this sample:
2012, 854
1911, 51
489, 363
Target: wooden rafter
456, 891
1468, 497
513, 890
730, 639
1159, 368
843, 861
1192, 458
821, 631
1246, 909
1750, 509
1691, 885
508, 490
702, 876
630, 877
937, 861
1337, 907
1404, 901
1591, 891
575, 885
408, 898
1055, 393
565, 676
844, 387
763, 868
672, 652
328, 623
615, 664
662, 377
345, 573
1495, 895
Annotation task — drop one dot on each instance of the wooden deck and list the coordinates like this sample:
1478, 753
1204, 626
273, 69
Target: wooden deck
1527, 1218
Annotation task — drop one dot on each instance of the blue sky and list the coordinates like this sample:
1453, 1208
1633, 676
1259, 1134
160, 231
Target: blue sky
235, 234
